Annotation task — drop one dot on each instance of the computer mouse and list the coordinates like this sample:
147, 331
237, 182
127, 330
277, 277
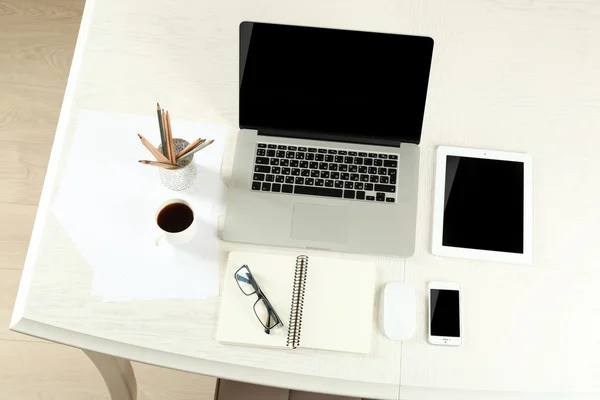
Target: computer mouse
399, 311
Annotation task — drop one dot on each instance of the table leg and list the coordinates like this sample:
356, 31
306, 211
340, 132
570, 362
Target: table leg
118, 375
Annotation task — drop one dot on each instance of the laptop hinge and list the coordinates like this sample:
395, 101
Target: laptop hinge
330, 137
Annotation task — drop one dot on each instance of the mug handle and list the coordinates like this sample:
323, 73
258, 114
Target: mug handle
160, 239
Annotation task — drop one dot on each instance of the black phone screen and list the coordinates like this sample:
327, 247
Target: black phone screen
445, 313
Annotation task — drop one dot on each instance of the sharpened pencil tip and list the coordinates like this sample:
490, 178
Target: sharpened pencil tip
140, 136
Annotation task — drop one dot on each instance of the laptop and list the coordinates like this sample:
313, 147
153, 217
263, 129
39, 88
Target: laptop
327, 155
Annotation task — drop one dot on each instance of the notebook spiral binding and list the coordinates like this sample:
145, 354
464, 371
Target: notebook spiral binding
295, 325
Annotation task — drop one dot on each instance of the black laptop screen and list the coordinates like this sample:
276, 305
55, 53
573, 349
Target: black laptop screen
350, 86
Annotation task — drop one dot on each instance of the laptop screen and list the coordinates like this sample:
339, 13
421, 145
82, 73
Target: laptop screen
333, 84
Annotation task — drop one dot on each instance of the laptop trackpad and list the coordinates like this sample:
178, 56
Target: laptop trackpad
320, 223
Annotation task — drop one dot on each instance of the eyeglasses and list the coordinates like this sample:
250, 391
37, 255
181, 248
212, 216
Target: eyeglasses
262, 308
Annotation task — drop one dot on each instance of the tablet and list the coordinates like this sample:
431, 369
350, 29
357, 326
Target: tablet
483, 205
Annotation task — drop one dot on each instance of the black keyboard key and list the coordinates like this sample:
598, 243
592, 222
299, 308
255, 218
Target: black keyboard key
287, 189
274, 161
255, 185
374, 179
385, 188
305, 172
312, 150
309, 181
303, 164
272, 146
323, 166
328, 183
289, 179
353, 168
282, 147
373, 155
364, 178
262, 146
339, 159
318, 191
322, 151
349, 194
353, 153
390, 200
262, 161
279, 179
380, 197
348, 185
313, 165
392, 171
299, 156
378, 163
315, 173
261, 152
369, 186
393, 157
362, 154
391, 163
359, 185
335, 175
319, 157
329, 158
290, 154
372, 170
325, 174
345, 176
384, 179
276, 187
381, 171
348, 160
319, 182
270, 153
276, 170
342, 152
343, 167
284, 163
358, 161
299, 181
332, 151
383, 156
294, 163
270, 178
310, 156
333, 167
296, 171
354, 177
266, 187
286, 171
371, 198
292, 148
258, 177
339, 184
280, 153
362, 170
301, 148
368, 161
360, 195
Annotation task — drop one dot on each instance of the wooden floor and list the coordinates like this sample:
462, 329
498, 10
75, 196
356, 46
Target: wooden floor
37, 39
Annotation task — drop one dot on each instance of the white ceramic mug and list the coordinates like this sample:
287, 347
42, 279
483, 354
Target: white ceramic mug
174, 238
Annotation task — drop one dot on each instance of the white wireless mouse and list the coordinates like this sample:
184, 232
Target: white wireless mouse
399, 311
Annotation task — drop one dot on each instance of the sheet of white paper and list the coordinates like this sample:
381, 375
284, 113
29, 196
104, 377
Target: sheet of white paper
107, 203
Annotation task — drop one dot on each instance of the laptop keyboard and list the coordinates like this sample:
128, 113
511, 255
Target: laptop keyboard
326, 172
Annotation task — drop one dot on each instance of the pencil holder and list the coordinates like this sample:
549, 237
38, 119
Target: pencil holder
182, 178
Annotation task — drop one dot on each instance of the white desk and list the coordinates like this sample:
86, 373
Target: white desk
509, 75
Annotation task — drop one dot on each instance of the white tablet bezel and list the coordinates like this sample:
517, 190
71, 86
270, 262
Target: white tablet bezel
438, 206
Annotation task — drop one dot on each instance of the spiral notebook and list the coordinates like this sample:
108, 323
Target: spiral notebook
324, 303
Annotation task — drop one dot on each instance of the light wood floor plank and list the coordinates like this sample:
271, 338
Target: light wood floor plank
9, 284
16, 222
12, 255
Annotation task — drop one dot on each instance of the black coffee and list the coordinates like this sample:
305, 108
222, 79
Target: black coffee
175, 217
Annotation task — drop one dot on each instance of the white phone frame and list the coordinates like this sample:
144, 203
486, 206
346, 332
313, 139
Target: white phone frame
444, 340
439, 249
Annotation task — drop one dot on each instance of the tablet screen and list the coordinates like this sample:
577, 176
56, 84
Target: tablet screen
483, 204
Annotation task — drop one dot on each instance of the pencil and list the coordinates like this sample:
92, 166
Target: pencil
164, 122
191, 146
197, 149
170, 144
160, 164
162, 130
157, 154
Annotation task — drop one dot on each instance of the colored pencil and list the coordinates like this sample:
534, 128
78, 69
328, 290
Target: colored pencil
170, 144
160, 164
191, 146
163, 141
157, 154
197, 149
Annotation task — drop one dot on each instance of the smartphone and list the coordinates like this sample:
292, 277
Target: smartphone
444, 314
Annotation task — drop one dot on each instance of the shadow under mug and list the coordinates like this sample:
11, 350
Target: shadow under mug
175, 222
